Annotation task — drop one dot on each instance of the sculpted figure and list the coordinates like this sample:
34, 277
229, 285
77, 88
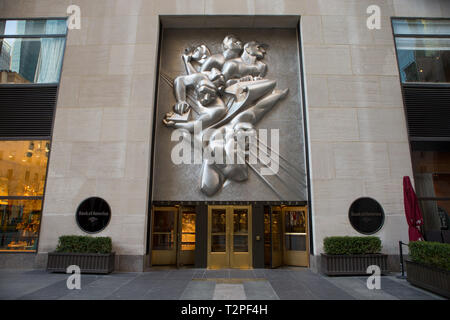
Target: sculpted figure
248, 66
231, 47
208, 105
214, 175
201, 56
235, 76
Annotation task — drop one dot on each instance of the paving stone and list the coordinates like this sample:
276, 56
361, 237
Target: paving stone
199, 290
56, 290
203, 284
210, 274
225, 291
259, 290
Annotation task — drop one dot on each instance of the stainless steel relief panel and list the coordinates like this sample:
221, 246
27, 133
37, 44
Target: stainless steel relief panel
235, 82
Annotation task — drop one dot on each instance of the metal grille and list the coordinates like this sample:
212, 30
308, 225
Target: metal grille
27, 111
428, 111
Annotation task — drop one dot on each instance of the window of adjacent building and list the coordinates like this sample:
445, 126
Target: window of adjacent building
423, 49
432, 181
31, 51
23, 167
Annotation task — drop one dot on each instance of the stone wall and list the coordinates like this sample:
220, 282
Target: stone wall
102, 135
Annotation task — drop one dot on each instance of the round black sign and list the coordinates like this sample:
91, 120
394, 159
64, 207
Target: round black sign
93, 215
366, 215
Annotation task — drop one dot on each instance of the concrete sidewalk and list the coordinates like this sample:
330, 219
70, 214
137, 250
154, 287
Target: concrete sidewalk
201, 284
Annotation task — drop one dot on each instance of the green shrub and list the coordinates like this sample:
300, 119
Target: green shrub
84, 244
430, 253
352, 245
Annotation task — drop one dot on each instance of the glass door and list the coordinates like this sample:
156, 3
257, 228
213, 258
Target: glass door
218, 246
186, 236
229, 237
173, 235
295, 237
241, 250
164, 242
276, 231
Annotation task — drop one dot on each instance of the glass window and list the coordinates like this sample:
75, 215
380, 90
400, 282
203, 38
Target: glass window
432, 184
423, 50
19, 224
33, 27
424, 60
421, 26
23, 166
36, 59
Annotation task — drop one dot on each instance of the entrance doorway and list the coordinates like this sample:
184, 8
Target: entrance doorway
229, 237
286, 236
173, 235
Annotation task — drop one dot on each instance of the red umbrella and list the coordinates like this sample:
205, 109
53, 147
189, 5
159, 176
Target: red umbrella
412, 210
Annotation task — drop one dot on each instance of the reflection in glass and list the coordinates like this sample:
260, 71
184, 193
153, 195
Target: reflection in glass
424, 59
163, 241
240, 230
240, 243
188, 230
218, 220
218, 243
31, 60
421, 27
240, 221
276, 230
295, 242
164, 221
19, 224
23, 166
295, 222
33, 27
432, 182
163, 230
218, 229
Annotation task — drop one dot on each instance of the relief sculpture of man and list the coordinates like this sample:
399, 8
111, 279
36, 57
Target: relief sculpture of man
229, 95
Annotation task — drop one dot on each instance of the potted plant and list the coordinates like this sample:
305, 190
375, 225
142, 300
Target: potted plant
352, 255
91, 254
429, 267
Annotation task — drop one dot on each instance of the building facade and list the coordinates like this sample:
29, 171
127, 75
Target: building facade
345, 100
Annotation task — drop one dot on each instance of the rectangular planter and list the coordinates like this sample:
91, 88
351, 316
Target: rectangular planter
429, 278
336, 265
88, 262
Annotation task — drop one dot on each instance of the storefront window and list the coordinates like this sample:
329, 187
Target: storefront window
432, 181
23, 166
31, 51
423, 50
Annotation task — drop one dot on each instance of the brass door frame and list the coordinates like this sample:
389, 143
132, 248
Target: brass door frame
174, 256
276, 258
229, 258
184, 257
291, 257
165, 257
